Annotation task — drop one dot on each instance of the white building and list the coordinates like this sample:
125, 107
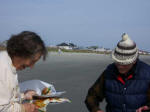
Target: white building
65, 47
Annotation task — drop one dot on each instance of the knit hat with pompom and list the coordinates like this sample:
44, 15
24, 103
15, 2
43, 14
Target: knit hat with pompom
125, 52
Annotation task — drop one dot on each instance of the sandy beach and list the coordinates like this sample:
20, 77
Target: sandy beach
70, 72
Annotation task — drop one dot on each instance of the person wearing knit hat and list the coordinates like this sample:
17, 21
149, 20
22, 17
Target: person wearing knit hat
124, 84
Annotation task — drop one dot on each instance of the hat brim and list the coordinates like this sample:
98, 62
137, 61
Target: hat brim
125, 61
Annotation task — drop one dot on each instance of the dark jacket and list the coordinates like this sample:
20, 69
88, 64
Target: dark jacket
121, 97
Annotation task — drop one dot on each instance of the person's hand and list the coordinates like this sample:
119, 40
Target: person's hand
29, 107
142, 108
29, 94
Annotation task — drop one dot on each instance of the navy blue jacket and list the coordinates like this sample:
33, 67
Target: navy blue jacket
129, 96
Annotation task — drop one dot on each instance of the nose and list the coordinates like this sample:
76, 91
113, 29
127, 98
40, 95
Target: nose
120, 66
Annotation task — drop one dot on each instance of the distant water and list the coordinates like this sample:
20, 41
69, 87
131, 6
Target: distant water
72, 72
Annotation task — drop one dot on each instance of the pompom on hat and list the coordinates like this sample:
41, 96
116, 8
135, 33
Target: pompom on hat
126, 51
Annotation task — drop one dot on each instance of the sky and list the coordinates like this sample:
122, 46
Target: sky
82, 22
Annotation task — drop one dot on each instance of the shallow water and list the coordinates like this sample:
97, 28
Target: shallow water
72, 72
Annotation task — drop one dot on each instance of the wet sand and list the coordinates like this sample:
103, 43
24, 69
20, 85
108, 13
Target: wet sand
70, 72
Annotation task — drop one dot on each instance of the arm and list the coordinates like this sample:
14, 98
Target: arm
95, 95
8, 94
148, 97
145, 108
28, 95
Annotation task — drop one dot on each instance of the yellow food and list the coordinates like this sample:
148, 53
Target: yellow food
39, 103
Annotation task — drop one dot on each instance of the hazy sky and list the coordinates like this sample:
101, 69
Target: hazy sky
83, 22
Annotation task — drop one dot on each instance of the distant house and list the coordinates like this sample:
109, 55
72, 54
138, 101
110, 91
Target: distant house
143, 52
64, 46
106, 50
3, 44
53, 46
100, 49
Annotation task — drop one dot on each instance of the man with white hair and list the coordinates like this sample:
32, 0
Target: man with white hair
23, 50
125, 84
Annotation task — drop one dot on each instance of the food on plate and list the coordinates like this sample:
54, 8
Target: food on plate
44, 102
58, 100
40, 103
46, 91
